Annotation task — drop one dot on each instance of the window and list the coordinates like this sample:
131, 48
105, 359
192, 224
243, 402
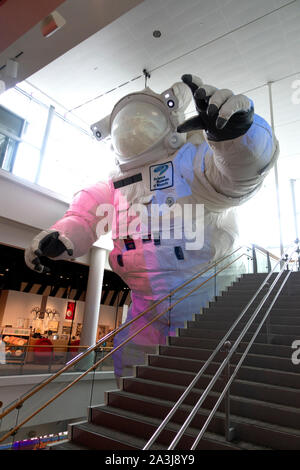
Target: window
21, 135
73, 159
64, 159
11, 127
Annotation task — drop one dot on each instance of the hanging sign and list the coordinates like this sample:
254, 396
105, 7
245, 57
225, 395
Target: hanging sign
70, 310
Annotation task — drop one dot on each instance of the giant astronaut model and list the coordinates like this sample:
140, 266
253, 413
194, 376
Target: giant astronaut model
162, 160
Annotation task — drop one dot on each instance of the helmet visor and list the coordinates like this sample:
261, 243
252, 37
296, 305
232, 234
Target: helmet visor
137, 127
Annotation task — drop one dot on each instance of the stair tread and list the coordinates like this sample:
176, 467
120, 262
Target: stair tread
220, 318
268, 356
281, 347
114, 434
241, 322
67, 445
268, 347
236, 309
237, 380
204, 330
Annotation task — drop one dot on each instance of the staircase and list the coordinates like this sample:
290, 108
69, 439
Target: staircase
265, 396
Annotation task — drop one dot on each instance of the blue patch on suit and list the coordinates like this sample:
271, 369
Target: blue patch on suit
161, 176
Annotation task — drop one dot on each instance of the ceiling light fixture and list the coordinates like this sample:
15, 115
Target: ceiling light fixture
156, 33
51, 24
12, 67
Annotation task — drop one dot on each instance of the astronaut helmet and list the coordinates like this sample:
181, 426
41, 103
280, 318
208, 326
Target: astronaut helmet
143, 125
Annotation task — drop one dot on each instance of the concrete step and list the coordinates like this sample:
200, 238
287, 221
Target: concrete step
256, 348
218, 308
230, 318
250, 292
274, 328
274, 338
236, 301
66, 445
101, 437
259, 282
258, 276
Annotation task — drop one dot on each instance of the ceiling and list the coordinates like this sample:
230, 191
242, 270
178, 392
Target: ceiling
233, 44
33, 51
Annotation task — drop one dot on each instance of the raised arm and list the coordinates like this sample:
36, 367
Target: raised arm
241, 145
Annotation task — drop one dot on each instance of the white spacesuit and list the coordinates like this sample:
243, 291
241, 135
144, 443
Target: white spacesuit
211, 163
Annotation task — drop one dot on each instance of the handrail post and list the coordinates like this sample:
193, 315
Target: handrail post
229, 430
286, 259
268, 262
268, 321
298, 253
254, 259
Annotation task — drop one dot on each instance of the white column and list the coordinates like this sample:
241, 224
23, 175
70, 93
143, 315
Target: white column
276, 173
93, 297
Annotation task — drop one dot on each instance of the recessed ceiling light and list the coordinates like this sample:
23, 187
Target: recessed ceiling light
156, 33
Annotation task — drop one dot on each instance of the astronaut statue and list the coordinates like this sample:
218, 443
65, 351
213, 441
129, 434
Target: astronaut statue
211, 163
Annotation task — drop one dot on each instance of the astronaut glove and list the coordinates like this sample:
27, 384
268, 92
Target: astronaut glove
48, 243
221, 114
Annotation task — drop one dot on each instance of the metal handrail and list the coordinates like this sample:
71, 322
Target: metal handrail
266, 252
82, 355
224, 363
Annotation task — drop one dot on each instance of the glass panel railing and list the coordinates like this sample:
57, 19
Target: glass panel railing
264, 260
200, 291
46, 404
106, 364
231, 269
33, 360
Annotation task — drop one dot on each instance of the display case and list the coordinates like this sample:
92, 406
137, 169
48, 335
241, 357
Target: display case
16, 343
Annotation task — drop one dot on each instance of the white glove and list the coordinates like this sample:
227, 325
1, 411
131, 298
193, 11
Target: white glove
221, 114
48, 243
